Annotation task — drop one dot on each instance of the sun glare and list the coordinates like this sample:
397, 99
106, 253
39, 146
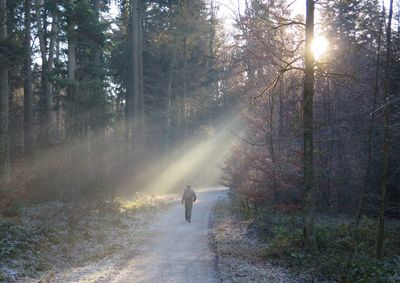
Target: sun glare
320, 46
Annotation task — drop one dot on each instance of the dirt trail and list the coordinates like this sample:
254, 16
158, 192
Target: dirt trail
176, 251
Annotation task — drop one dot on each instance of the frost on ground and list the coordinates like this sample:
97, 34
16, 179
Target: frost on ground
73, 242
239, 256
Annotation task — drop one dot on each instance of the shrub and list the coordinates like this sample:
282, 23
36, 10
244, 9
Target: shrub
334, 258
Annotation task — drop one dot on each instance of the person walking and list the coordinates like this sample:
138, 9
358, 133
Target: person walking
188, 197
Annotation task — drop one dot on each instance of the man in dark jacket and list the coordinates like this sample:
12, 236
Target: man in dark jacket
189, 197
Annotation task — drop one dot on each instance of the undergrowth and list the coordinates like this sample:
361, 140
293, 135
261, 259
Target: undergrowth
337, 258
44, 237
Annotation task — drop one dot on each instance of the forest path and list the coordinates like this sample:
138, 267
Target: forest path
176, 251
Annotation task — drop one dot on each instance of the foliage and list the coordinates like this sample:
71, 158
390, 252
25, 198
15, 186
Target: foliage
10, 53
334, 259
15, 239
254, 177
349, 96
19, 242
69, 139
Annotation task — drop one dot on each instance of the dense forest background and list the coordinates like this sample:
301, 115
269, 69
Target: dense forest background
355, 107
100, 98
322, 134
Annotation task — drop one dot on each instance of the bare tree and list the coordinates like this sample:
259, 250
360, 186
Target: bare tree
386, 151
308, 140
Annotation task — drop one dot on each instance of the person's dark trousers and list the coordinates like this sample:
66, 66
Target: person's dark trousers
188, 210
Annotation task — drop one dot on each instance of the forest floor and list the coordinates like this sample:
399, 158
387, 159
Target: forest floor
239, 253
148, 240
145, 240
64, 242
268, 247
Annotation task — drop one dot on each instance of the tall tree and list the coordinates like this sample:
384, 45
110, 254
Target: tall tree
367, 178
386, 152
4, 95
28, 109
141, 100
71, 64
308, 139
132, 99
47, 56
371, 125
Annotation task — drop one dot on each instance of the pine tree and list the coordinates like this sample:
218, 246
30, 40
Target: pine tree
4, 95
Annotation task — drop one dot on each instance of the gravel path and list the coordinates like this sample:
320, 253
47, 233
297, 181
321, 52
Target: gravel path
176, 251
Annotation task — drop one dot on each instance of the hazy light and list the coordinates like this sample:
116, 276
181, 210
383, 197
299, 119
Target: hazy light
197, 165
320, 46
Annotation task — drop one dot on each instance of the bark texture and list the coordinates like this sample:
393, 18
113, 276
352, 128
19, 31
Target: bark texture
28, 111
308, 139
386, 150
4, 104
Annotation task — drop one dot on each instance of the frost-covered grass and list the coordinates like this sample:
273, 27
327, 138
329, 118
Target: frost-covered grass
239, 254
269, 247
52, 239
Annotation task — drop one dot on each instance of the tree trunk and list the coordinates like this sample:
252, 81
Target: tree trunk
142, 122
28, 111
271, 144
381, 227
71, 90
4, 104
47, 67
42, 27
70, 121
129, 92
370, 128
211, 44
308, 139
168, 120
135, 74
132, 93
49, 85
184, 95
